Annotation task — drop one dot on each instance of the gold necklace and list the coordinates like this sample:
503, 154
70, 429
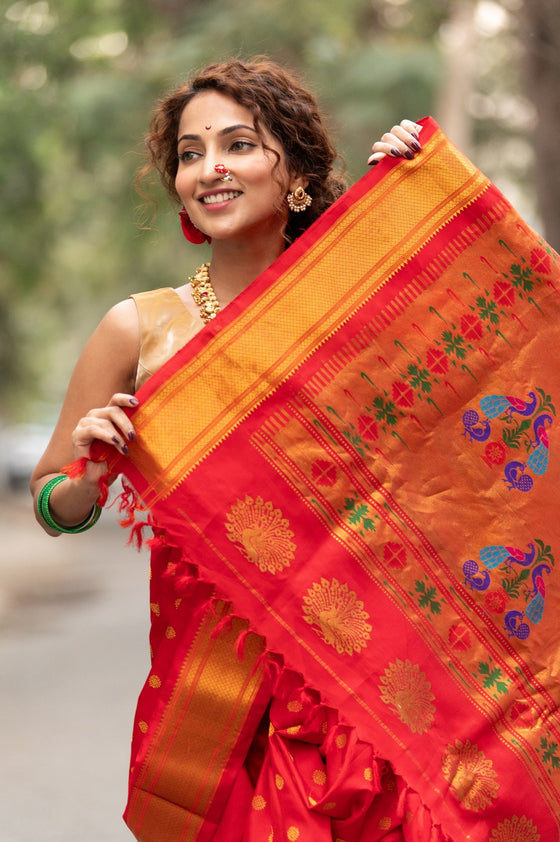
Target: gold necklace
203, 293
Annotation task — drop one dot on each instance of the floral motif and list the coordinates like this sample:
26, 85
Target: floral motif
516, 829
495, 601
338, 616
504, 293
471, 775
367, 428
521, 714
324, 472
402, 394
437, 361
540, 261
394, 555
263, 533
471, 327
406, 689
459, 637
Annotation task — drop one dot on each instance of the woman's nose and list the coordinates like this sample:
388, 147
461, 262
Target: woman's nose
212, 169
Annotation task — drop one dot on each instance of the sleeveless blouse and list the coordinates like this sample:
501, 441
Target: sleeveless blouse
165, 326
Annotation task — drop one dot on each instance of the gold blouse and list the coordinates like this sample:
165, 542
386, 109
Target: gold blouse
165, 326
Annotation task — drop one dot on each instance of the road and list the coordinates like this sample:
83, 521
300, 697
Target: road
73, 656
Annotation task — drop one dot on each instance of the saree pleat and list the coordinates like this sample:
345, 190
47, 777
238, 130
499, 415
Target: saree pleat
353, 474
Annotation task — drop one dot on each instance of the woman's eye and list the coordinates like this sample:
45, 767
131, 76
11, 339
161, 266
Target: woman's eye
241, 145
187, 155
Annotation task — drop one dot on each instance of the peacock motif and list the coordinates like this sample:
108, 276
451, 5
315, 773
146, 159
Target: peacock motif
516, 478
535, 608
475, 427
515, 625
513, 574
538, 459
495, 405
495, 555
477, 580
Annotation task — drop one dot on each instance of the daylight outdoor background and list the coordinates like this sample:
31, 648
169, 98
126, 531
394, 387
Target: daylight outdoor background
77, 83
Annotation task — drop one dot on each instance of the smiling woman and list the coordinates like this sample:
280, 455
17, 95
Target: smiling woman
243, 149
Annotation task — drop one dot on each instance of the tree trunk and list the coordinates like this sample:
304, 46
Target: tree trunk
542, 50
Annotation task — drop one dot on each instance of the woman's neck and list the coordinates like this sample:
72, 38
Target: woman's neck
234, 266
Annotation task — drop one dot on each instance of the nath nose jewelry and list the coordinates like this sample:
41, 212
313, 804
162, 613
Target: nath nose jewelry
223, 170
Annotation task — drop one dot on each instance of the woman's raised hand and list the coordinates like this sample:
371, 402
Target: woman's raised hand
403, 141
109, 424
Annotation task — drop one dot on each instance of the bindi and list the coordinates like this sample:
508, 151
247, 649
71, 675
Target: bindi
207, 128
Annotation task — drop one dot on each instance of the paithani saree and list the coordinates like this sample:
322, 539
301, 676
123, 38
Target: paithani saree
351, 475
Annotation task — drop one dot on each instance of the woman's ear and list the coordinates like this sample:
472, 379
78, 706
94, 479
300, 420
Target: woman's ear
298, 181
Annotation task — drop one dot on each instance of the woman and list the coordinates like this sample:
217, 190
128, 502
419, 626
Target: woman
300, 458
246, 119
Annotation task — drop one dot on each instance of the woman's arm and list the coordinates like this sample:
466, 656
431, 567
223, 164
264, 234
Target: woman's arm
102, 383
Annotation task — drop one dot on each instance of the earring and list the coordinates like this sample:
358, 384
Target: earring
191, 232
299, 200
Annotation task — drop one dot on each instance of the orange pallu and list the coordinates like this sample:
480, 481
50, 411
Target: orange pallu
353, 474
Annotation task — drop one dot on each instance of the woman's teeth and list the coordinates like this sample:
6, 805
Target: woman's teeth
220, 197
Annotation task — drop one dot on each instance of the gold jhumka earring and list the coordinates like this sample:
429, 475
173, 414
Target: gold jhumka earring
299, 200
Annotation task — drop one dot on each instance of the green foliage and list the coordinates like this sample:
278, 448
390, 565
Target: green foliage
77, 84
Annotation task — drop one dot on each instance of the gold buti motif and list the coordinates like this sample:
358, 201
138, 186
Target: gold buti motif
474, 783
261, 534
516, 829
405, 688
337, 616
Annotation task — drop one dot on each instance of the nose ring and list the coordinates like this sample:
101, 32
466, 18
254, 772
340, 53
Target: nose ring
223, 171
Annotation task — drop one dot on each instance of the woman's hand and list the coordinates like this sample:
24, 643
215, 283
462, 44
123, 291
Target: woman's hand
403, 141
109, 424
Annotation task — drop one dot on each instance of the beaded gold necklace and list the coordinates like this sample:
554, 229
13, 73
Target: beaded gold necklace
203, 293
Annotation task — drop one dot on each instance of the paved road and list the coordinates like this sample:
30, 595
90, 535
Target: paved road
73, 656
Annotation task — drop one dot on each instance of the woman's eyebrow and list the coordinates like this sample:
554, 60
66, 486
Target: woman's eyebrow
221, 133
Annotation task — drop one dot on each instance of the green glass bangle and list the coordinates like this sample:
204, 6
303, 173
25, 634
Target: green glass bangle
44, 511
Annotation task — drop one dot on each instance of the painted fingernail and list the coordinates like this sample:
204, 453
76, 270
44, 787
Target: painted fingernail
116, 441
395, 152
372, 163
131, 435
408, 154
124, 448
414, 135
416, 146
134, 401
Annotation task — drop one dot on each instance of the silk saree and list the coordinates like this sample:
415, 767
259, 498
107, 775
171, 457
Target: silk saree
350, 478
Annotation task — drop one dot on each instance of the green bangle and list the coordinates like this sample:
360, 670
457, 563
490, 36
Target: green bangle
45, 512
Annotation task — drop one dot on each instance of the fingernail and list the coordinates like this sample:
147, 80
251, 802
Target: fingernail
395, 152
415, 135
408, 154
131, 435
116, 441
125, 448
416, 146
134, 401
372, 163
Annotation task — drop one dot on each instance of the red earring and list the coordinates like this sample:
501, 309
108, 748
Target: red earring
191, 232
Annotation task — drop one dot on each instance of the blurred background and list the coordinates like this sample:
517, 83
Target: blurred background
77, 85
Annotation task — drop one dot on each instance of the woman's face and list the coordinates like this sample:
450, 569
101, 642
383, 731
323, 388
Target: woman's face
215, 129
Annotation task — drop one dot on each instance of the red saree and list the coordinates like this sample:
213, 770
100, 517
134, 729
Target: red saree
351, 473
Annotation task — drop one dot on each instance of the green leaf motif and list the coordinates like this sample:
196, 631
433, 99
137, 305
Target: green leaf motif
488, 310
419, 378
521, 277
385, 411
454, 343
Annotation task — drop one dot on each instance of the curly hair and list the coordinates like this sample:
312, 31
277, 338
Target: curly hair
280, 104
